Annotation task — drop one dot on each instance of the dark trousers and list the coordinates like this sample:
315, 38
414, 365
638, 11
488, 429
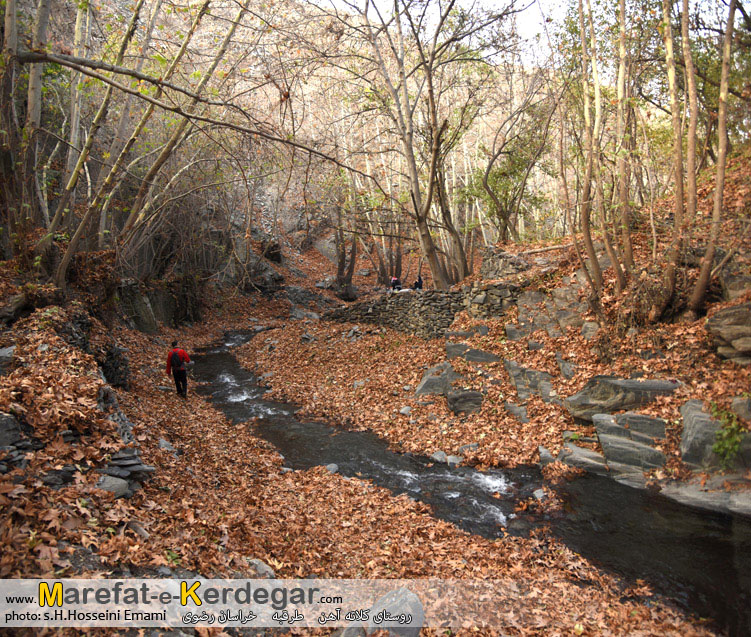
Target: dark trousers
181, 381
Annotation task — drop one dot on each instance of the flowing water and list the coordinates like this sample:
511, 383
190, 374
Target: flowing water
700, 560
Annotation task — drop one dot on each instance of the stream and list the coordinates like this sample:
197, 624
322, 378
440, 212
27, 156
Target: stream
698, 559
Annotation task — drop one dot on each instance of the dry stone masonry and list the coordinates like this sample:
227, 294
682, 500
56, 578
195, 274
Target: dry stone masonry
427, 313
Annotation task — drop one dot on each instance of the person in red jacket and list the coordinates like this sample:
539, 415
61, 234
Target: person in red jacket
177, 365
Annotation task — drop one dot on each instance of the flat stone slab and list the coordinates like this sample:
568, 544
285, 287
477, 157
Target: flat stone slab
529, 381
630, 452
582, 458
632, 426
518, 411
464, 401
696, 495
437, 380
606, 394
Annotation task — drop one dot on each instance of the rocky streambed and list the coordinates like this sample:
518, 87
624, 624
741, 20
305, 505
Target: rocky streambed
699, 559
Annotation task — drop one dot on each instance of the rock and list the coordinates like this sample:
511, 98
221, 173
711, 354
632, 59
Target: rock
741, 407
469, 447
454, 350
6, 356
534, 346
363, 272
699, 436
568, 370
454, 461
606, 394
399, 602
622, 450
164, 444
731, 331
583, 459
481, 330
545, 456
479, 356
439, 456
590, 329
539, 494
10, 430
514, 333
116, 366
263, 570
437, 380
307, 338
631, 426
300, 314
358, 383
332, 468
464, 401
529, 381
518, 411
405, 411
119, 487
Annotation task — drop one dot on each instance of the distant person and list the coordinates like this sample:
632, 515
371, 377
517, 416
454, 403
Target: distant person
396, 284
177, 365
417, 285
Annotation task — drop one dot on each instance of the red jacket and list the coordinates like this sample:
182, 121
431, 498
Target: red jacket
181, 353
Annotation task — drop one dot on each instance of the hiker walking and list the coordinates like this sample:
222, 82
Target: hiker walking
177, 365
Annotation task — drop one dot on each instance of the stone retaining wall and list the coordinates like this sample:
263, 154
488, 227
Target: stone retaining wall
427, 313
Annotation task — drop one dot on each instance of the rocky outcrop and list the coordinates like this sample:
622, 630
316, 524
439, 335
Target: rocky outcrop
529, 381
606, 394
460, 350
731, 330
699, 437
426, 313
625, 441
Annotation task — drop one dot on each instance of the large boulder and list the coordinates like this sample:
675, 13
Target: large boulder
606, 394
731, 330
699, 436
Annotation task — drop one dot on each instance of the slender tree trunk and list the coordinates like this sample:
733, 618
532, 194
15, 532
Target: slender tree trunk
116, 174
697, 296
586, 200
148, 181
621, 143
33, 111
99, 118
693, 109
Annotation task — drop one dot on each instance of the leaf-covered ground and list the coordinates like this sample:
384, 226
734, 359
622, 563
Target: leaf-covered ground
224, 499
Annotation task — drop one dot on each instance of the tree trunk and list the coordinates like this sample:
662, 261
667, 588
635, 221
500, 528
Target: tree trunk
99, 118
697, 297
148, 181
671, 266
586, 200
622, 146
693, 109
